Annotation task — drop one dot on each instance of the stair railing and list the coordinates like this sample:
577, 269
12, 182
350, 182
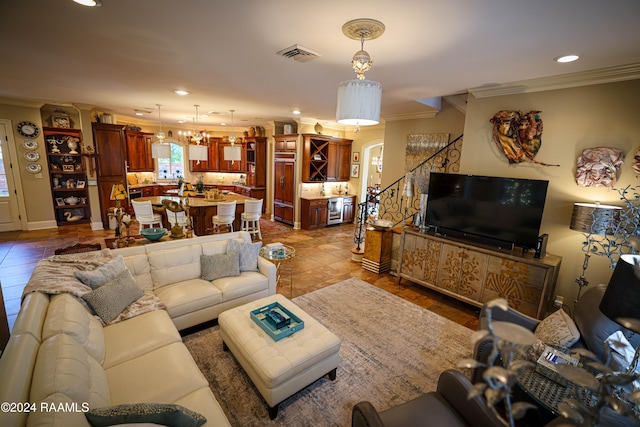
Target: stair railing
392, 204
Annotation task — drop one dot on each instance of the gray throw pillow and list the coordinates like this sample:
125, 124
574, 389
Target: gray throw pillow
248, 254
102, 274
220, 265
110, 299
157, 413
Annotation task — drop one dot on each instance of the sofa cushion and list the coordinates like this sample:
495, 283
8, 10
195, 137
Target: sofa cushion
204, 402
67, 315
162, 375
221, 265
189, 296
137, 336
247, 283
110, 299
102, 274
166, 414
138, 266
558, 330
63, 366
175, 265
214, 248
248, 254
47, 415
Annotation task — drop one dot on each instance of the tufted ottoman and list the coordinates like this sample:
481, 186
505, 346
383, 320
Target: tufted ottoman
279, 369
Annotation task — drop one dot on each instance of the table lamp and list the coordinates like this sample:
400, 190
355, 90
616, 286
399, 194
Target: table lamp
187, 190
622, 297
118, 193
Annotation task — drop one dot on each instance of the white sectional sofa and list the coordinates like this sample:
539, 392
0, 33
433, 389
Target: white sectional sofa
61, 357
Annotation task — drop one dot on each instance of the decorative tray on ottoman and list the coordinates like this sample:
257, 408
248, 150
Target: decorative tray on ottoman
277, 321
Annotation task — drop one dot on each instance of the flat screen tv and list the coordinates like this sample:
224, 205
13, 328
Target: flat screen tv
506, 212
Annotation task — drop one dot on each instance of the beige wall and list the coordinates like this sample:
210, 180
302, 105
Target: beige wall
574, 119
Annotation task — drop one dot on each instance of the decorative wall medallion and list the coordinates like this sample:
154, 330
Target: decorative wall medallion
34, 167
599, 167
518, 135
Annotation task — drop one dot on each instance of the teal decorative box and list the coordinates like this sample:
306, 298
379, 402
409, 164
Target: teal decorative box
260, 316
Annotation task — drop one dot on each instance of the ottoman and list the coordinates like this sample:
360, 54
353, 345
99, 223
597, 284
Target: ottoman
279, 369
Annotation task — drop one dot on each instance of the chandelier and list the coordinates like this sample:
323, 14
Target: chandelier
159, 150
197, 152
359, 99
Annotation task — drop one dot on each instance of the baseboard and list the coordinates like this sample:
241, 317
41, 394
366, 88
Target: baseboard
96, 225
41, 225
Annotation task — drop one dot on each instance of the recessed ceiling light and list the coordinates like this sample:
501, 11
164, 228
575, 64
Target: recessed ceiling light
180, 121
566, 58
90, 3
181, 92
296, 111
138, 113
223, 123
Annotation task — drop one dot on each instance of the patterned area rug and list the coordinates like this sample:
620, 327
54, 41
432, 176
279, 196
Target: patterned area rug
267, 226
392, 351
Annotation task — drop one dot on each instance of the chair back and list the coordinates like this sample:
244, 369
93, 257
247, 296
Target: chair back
253, 208
176, 217
142, 209
227, 208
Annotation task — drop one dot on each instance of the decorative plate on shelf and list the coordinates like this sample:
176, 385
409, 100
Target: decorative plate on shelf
32, 156
28, 129
34, 167
30, 144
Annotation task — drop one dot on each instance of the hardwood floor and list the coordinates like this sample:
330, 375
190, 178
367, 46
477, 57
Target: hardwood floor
323, 257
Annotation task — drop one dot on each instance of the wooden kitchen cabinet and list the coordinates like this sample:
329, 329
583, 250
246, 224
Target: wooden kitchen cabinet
286, 143
325, 158
256, 161
477, 274
348, 206
138, 145
284, 172
313, 213
211, 164
226, 165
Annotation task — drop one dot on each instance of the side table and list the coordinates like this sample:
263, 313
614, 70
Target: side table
279, 256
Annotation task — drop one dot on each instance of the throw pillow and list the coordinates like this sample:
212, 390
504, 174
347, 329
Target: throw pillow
558, 330
222, 265
157, 413
110, 299
102, 274
248, 254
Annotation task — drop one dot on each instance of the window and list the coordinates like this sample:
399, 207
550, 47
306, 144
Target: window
172, 168
4, 186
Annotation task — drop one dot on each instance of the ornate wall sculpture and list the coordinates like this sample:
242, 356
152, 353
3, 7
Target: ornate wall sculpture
518, 135
599, 167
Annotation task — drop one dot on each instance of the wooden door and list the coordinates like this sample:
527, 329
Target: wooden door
111, 164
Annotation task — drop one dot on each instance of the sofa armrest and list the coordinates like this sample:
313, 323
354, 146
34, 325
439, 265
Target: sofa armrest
268, 269
454, 387
364, 414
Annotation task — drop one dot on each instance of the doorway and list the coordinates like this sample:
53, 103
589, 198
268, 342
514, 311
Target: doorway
10, 209
371, 167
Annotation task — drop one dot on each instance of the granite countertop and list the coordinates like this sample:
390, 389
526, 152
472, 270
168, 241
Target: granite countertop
333, 196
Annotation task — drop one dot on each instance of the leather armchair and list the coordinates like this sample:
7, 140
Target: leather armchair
448, 406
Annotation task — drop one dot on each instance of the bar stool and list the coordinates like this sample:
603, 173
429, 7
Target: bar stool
225, 217
250, 218
145, 215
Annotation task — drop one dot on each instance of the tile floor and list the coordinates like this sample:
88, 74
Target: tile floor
323, 257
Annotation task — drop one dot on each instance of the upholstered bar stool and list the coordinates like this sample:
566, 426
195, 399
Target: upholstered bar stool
145, 215
250, 218
225, 217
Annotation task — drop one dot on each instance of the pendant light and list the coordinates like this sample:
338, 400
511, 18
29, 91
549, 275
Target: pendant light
233, 152
197, 152
160, 150
359, 99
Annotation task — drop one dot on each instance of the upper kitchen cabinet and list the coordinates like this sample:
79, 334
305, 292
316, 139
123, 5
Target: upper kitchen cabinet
212, 162
139, 151
325, 158
286, 143
228, 165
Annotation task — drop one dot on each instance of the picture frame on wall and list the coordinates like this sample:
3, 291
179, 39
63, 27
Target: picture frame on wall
356, 157
355, 170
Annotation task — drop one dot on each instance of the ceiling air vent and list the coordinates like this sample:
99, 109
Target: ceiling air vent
299, 53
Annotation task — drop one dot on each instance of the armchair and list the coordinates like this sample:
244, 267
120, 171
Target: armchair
447, 406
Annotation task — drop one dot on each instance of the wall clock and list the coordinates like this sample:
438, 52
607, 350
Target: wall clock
28, 129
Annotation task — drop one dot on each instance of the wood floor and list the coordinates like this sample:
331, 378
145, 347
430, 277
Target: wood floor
323, 257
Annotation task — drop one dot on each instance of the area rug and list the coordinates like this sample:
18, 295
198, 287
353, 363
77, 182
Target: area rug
267, 226
392, 351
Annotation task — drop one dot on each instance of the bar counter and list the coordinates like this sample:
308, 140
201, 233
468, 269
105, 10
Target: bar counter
201, 210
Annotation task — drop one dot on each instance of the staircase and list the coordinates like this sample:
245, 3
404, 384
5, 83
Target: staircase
392, 204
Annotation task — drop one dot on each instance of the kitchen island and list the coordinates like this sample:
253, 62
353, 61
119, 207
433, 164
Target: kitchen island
202, 210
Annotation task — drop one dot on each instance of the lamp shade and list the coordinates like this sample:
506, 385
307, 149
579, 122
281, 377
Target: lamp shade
118, 192
160, 151
594, 218
197, 152
359, 102
622, 297
233, 153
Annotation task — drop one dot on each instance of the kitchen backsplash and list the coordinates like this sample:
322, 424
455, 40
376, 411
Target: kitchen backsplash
330, 189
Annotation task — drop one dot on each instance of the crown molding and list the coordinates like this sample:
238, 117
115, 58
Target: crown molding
562, 81
22, 103
411, 116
